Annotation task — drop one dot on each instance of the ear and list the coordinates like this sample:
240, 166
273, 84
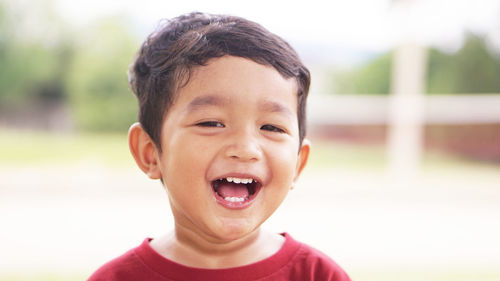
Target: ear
144, 151
305, 148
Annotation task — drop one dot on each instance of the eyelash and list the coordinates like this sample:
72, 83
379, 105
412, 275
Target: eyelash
211, 124
216, 124
272, 128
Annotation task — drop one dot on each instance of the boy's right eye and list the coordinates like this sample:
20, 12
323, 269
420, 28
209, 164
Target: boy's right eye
210, 124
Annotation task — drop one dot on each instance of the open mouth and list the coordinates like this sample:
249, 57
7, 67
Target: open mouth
235, 192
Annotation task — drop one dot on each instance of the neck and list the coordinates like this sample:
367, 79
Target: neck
191, 249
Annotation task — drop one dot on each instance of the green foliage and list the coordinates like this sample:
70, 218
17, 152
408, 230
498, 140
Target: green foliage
99, 95
27, 72
30, 70
43, 61
473, 69
373, 78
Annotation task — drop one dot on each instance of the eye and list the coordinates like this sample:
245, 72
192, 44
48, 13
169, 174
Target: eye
210, 124
272, 128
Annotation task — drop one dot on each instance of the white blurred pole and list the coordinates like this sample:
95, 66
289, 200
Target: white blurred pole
407, 97
406, 112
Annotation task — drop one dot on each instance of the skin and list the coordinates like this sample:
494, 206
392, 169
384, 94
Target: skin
234, 116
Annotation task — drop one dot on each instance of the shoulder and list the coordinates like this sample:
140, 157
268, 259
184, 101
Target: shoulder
128, 266
312, 264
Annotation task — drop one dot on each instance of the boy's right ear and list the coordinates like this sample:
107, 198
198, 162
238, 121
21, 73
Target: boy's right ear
144, 151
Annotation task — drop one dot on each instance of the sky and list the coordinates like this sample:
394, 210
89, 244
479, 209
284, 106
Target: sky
372, 25
332, 32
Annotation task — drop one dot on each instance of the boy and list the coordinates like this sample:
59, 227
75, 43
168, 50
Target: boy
222, 125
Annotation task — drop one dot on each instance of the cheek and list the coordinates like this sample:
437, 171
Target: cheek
284, 162
185, 163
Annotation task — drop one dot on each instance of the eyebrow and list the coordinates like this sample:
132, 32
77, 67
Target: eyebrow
211, 100
272, 106
202, 101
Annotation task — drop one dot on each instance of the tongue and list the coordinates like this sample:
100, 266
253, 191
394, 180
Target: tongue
232, 190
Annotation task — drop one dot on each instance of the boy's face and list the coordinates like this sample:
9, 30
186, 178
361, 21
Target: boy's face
234, 119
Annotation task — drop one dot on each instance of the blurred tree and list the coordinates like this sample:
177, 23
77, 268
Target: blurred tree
45, 65
473, 69
100, 99
31, 70
372, 78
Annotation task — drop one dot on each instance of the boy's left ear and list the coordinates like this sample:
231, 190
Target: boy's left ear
305, 148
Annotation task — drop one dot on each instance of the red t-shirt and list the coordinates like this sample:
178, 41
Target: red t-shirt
294, 261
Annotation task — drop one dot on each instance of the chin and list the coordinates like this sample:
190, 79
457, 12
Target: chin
235, 229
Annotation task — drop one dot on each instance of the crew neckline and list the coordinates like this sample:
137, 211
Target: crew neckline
173, 270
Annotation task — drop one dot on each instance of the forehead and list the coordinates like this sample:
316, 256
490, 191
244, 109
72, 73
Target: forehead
231, 79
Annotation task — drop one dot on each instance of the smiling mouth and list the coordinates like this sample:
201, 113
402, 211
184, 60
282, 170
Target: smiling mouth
235, 193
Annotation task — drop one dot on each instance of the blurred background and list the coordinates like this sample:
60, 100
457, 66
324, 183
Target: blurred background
404, 116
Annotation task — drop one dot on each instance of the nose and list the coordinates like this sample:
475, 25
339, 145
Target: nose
243, 146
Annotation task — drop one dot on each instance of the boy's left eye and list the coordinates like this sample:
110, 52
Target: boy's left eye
272, 128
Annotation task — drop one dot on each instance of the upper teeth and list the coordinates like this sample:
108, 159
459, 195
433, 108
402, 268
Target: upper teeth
239, 180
